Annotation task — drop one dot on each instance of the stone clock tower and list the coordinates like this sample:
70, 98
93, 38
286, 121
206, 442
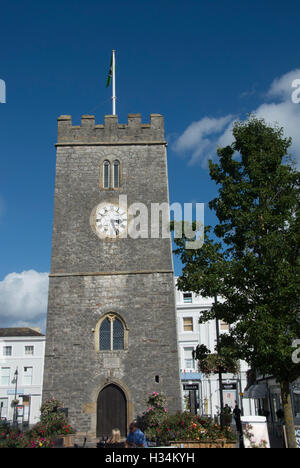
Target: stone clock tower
111, 324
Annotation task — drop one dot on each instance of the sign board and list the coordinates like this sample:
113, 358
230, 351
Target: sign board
20, 391
190, 387
229, 386
20, 411
255, 432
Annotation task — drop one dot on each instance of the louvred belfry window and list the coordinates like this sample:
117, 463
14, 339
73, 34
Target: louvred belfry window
106, 174
116, 174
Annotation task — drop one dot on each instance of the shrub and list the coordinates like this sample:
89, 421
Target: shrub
154, 415
53, 421
157, 424
14, 438
186, 426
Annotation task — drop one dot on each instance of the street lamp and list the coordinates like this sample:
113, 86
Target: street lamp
16, 389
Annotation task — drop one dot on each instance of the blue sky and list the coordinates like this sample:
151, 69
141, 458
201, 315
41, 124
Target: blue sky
200, 64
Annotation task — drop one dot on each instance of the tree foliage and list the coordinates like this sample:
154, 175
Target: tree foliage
254, 265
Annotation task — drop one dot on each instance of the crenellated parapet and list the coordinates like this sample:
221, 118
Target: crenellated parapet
134, 132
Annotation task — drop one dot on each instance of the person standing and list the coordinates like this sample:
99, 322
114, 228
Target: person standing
237, 418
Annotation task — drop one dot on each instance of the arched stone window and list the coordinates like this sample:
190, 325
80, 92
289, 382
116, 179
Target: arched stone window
106, 174
105, 335
116, 174
111, 334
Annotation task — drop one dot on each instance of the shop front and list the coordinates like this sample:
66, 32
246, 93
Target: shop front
191, 391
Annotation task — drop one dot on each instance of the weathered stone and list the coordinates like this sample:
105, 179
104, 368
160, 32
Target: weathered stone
91, 277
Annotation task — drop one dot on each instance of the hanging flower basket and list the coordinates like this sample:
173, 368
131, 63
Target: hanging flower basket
214, 363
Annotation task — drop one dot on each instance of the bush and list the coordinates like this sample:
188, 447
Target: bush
154, 415
14, 438
186, 426
53, 423
160, 426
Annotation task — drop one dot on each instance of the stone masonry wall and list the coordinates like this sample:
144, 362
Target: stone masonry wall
91, 277
76, 371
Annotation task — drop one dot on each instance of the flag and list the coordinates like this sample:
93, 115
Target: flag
109, 76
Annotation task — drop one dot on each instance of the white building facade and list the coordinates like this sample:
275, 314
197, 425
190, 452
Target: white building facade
21, 374
201, 392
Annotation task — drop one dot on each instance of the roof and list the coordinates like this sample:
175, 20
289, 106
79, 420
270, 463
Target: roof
256, 391
6, 332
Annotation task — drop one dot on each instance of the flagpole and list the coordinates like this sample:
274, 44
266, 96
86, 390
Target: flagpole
114, 98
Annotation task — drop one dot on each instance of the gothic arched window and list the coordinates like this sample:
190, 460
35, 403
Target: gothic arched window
118, 334
111, 334
105, 334
116, 174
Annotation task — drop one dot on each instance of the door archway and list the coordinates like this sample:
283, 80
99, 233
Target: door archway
111, 411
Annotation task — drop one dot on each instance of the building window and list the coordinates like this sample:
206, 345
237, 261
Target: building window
224, 326
7, 350
296, 405
27, 376
29, 350
111, 336
116, 174
118, 334
106, 174
189, 362
5, 376
4, 407
188, 324
187, 298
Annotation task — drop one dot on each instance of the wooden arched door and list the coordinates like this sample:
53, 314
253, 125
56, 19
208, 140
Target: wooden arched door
111, 411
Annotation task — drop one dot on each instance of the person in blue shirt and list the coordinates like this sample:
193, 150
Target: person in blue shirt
136, 438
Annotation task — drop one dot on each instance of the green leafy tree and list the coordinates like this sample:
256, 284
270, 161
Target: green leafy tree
254, 265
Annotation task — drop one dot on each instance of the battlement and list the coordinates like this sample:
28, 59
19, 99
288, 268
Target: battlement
111, 132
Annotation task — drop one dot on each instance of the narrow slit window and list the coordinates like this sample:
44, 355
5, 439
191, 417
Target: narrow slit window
27, 376
106, 174
116, 174
188, 324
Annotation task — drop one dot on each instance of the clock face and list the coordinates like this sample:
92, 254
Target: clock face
111, 221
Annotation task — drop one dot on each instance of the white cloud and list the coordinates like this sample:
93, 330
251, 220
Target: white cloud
200, 139
23, 299
282, 87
